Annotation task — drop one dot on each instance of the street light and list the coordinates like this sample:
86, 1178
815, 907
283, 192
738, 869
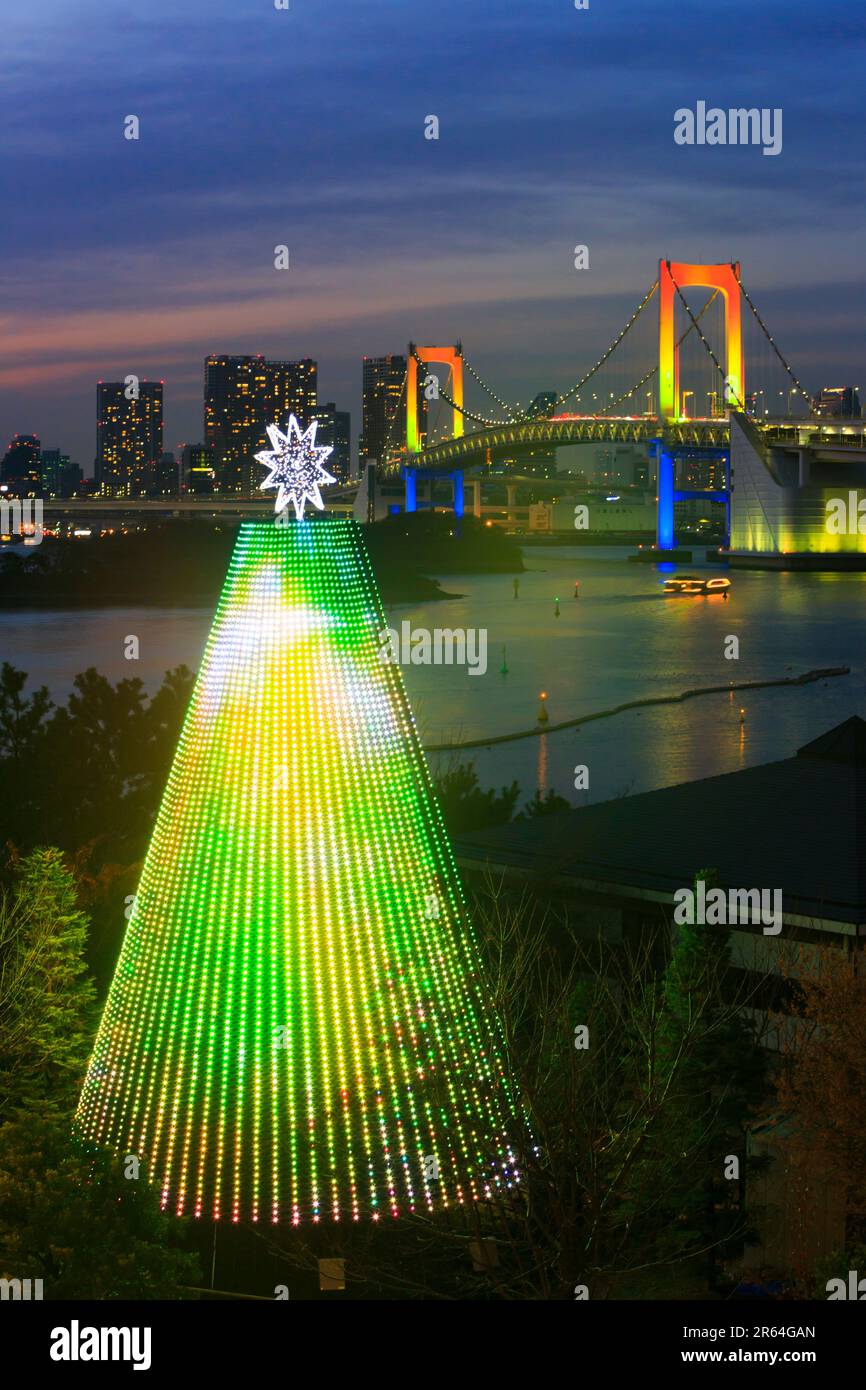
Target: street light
685, 396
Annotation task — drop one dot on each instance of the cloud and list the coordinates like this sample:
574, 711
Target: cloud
306, 127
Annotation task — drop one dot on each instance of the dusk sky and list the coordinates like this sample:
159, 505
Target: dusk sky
306, 127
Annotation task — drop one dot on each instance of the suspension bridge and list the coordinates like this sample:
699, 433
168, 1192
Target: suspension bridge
645, 389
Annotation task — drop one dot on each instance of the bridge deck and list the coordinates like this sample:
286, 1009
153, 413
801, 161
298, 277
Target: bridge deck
631, 429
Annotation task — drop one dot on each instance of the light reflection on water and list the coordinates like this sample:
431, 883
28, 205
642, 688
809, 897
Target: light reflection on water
621, 640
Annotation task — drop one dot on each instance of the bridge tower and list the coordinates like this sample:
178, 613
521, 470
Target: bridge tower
448, 356
726, 279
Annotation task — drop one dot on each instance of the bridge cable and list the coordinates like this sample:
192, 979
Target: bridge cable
468, 414
523, 416
652, 371
432, 428
614, 345
771, 340
514, 411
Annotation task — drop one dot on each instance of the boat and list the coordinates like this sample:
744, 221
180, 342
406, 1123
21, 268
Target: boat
691, 584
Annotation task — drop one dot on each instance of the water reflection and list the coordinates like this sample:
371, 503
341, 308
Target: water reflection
623, 640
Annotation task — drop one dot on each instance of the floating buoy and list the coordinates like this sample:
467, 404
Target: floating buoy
543, 716
504, 667
742, 715
556, 609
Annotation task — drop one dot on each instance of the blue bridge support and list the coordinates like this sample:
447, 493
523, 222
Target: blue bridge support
668, 493
413, 475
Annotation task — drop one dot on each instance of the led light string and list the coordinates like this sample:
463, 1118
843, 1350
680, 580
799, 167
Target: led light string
297, 908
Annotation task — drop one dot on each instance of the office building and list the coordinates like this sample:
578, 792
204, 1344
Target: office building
291, 389
838, 402
610, 465
197, 469
54, 468
242, 396
72, 483
335, 430
383, 406
21, 466
128, 436
234, 418
544, 404
165, 481
702, 474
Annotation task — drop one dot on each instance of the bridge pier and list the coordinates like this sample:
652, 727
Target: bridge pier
668, 493
412, 476
665, 538
457, 482
411, 482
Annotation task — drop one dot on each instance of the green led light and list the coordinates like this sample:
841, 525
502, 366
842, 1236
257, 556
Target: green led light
297, 1027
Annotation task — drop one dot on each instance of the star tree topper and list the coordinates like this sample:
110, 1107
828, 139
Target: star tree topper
295, 461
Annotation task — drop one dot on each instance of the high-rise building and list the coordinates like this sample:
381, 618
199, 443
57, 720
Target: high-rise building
640, 472
542, 405
21, 467
197, 469
72, 481
165, 477
335, 430
54, 468
128, 436
838, 402
702, 474
60, 477
291, 389
234, 410
383, 407
242, 396
537, 459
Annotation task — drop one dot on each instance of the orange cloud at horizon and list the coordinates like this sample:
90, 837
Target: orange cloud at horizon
60, 346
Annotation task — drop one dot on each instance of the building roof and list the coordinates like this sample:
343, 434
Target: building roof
797, 825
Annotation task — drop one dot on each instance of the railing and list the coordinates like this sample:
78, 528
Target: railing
803, 433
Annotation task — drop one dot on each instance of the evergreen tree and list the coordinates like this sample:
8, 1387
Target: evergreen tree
75, 1220
707, 1046
84, 1222
465, 806
544, 804
46, 997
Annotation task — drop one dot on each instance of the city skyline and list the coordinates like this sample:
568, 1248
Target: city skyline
393, 237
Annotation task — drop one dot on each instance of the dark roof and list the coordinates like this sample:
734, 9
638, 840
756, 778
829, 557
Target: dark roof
797, 825
844, 744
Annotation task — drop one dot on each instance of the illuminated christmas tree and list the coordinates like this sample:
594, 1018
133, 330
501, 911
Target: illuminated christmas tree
297, 1027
